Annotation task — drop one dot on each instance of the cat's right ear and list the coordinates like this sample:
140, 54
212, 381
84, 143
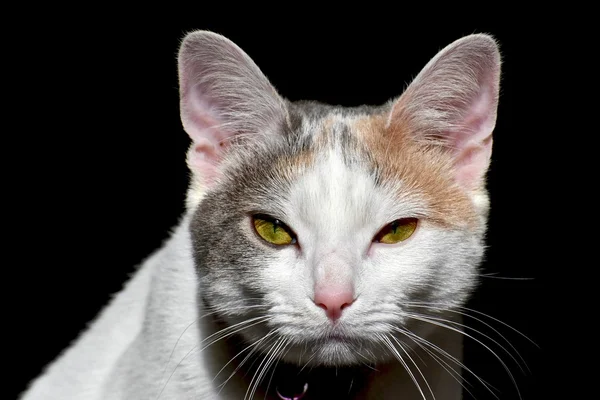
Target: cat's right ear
222, 94
453, 103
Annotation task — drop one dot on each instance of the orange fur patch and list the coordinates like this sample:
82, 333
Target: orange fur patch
424, 169
291, 167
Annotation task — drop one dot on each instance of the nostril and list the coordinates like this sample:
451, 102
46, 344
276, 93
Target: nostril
332, 306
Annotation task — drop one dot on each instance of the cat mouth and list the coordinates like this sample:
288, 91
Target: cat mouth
337, 337
334, 350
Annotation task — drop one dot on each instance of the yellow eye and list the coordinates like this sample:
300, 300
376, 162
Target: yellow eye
273, 230
397, 231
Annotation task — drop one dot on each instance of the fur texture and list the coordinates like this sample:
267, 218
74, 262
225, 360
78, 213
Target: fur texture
214, 312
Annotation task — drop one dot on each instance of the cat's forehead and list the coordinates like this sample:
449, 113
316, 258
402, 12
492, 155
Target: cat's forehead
346, 158
325, 125
336, 197
390, 160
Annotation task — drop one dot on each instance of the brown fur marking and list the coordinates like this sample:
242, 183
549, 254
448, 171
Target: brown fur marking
424, 169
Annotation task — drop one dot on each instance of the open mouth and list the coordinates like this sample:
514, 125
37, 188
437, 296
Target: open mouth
292, 382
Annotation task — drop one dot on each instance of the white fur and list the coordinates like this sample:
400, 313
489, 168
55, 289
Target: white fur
336, 211
99, 364
151, 340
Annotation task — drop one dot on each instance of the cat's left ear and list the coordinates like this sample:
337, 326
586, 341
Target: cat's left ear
222, 94
453, 103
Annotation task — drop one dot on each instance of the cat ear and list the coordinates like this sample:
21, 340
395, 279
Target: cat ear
453, 102
222, 94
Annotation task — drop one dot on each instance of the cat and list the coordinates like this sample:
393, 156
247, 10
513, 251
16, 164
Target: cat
324, 251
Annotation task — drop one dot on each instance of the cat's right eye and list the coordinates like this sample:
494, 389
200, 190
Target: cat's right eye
397, 231
273, 230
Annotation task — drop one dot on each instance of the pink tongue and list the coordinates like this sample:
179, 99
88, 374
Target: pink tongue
294, 397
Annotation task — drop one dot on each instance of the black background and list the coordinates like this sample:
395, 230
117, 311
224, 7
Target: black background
102, 172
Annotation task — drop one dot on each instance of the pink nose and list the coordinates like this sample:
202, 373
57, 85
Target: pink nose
333, 302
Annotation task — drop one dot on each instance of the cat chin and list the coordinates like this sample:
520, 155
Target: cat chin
334, 353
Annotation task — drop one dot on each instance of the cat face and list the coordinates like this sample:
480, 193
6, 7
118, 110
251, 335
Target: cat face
317, 229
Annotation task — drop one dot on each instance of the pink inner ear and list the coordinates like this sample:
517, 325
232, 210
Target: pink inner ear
203, 120
204, 158
473, 140
472, 163
209, 135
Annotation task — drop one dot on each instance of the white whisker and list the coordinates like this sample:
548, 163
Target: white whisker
501, 322
279, 358
490, 275
415, 364
175, 369
433, 322
222, 334
307, 362
421, 342
447, 367
454, 323
262, 367
522, 360
255, 344
162, 375
231, 330
385, 340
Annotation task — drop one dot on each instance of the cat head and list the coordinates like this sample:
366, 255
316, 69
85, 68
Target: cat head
322, 226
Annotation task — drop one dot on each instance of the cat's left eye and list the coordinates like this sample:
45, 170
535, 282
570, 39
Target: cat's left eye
273, 230
397, 231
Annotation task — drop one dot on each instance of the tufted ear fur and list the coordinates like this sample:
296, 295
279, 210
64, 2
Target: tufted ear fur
223, 94
453, 102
